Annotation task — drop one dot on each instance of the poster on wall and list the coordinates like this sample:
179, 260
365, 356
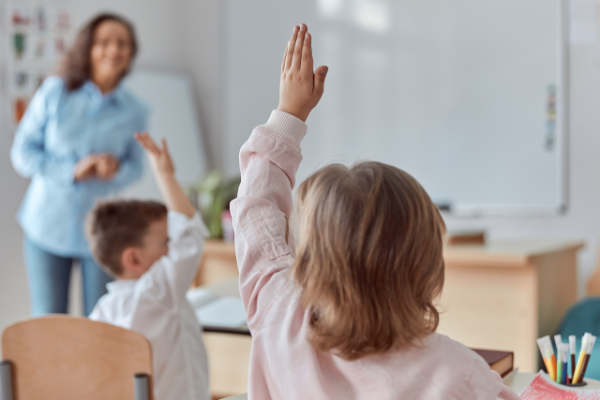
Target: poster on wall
37, 34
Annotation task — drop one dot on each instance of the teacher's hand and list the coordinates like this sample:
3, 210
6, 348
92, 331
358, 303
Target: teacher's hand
107, 166
85, 169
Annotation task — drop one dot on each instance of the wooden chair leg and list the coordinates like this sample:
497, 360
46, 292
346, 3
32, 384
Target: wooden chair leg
141, 387
6, 389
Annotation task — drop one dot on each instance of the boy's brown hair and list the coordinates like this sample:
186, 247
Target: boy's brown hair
113, 226
369, 259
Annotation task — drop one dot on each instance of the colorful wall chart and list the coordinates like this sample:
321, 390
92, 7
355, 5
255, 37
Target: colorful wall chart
37, 35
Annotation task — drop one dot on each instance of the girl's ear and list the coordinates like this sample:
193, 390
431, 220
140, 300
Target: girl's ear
130, 259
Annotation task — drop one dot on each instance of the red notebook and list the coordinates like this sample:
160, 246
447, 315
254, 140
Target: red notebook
499, 361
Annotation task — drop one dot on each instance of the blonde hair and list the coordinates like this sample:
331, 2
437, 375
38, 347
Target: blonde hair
369, 259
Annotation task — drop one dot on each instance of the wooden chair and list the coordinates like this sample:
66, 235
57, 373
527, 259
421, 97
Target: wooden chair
61, 357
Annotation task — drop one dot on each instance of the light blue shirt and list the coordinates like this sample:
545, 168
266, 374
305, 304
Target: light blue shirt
58, 129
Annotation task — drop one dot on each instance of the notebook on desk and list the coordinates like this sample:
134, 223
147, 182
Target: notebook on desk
225, 312
218, 314
499, 361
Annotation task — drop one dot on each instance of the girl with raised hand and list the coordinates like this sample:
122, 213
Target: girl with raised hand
346, 310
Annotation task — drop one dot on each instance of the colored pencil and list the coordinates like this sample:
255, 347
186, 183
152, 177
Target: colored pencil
559, 358
581, 358
573, 348
545, 346
588, 353
559, 367
565, 357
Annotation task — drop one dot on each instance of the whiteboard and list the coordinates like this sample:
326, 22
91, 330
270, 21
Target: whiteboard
468, 96
173, 116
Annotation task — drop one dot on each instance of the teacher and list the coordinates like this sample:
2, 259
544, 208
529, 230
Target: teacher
76, 143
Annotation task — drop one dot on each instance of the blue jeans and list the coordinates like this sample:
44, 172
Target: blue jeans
49, 277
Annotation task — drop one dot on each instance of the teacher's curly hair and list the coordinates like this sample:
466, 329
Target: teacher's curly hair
76, 66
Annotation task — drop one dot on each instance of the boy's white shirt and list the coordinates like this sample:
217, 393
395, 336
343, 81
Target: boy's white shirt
155, 306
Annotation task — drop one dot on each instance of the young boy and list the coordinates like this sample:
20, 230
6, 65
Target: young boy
154, 254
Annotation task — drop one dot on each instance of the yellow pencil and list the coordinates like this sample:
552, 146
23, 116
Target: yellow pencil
552, 363
580, 359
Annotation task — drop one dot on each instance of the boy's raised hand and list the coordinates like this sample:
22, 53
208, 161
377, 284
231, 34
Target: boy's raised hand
160, 159
164, 173
300, 87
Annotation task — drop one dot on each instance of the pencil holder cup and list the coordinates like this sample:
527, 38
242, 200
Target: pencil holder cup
579, 384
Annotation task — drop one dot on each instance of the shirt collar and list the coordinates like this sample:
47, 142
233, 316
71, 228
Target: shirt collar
115, 95
121, 284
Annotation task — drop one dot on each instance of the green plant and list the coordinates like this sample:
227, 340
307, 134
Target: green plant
212, 196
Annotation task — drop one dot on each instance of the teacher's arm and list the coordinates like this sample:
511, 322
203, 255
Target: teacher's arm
28, 154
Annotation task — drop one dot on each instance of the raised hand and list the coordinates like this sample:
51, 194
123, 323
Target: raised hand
160, 159
164, 173
300, 88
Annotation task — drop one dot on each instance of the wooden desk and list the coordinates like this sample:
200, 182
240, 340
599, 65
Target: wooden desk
517, 382
504, 295
229, 288
228, 350
218, 263
228, 355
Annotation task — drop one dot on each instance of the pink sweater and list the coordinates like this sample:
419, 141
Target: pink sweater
283, 364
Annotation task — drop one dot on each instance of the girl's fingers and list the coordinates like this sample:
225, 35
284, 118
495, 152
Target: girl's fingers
299, 47
284, 56
307, 58
319, 80
290, 48
164, 145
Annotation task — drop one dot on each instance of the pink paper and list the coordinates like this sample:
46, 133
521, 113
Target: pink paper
539, 389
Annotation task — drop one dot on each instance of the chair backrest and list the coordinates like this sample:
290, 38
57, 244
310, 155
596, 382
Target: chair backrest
62, 357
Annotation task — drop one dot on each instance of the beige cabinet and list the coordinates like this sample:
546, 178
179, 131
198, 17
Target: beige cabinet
499, 296
504, 295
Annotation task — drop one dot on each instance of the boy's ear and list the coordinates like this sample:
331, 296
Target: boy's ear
130, 259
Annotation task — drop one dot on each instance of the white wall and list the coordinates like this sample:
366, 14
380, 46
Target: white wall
203, 61
14, 300
180, 35
186, 34
582, 219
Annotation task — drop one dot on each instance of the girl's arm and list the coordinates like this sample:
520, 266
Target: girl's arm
269, 161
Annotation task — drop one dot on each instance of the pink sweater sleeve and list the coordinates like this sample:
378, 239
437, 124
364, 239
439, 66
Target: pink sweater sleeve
262, 211
486, 384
